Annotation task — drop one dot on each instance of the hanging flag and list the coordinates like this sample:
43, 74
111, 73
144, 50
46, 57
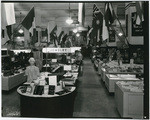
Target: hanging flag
139, 9
105, 34
109, 14
63, 40
53, 36
8, 14
60, 37
81, 13
97, 22
95, 10
3, 33
34, 37
9, 31
29, 20
54, 29
88, 35
45, 33
89, 28
29, 23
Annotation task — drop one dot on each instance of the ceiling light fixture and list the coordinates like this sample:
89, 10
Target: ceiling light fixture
69, 20
20, 31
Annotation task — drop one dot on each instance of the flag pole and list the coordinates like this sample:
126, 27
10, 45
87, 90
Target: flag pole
120, 26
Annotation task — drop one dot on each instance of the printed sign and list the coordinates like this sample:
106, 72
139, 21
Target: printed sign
61, 50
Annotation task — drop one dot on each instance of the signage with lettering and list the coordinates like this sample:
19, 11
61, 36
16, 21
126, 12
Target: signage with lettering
137, 30
56, 50
60, 50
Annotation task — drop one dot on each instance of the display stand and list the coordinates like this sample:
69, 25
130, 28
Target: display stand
12, 81
47, 106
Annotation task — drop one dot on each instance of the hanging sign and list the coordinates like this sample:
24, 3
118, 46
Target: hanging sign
137, 30
61, 50
56, 50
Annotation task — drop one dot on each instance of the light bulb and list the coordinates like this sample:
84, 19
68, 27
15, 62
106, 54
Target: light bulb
69, 21
77, 34
120, 34
75, 31
18, 37
20, 31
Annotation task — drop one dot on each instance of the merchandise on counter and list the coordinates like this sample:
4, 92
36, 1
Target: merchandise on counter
133, 86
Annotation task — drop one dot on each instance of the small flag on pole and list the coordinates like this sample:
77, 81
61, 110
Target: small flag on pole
105, 34
29, 20
139, 9
88, 35
109, 14
54, 29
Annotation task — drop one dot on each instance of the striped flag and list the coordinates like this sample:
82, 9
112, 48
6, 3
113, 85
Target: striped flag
109, 14
139, 9
7, 14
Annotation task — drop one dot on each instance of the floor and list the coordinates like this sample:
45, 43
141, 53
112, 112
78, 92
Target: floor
92, 100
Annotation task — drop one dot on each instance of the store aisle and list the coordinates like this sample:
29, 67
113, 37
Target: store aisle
93, 99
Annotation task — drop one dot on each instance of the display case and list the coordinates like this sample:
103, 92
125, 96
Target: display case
111, 79
12, 81
129, 99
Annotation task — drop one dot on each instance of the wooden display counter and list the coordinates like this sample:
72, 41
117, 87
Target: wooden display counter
112, 79
129, 103
12, 81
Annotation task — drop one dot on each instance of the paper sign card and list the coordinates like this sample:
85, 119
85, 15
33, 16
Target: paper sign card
54, 60
67, 67
46, 89
52, 80
68, 57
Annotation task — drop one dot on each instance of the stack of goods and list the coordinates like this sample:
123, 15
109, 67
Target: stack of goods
132, 86
113, 67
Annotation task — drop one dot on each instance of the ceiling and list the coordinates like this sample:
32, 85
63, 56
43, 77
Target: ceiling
60, 11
